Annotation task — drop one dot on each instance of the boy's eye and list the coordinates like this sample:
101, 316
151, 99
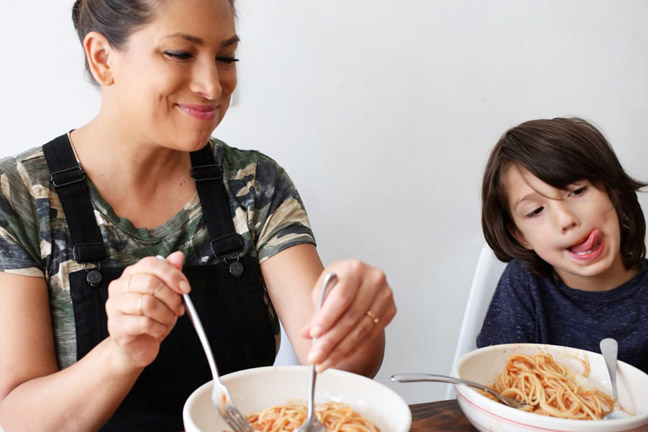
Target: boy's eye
578, 191
535, 212
180, 55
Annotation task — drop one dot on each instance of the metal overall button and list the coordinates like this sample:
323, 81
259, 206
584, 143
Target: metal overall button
93, 276
235, 267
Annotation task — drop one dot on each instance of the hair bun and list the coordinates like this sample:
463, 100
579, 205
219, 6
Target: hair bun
76, 12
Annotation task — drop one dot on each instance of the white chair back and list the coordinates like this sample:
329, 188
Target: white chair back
487, 274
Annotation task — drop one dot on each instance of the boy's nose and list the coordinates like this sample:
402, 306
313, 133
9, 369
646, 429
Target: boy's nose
566, 219
569, 225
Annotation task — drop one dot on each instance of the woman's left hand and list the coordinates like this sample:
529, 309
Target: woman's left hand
355, 310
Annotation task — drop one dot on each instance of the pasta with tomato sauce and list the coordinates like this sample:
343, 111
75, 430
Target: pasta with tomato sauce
335, 416
550, 389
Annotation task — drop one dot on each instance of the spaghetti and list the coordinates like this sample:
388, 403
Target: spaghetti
335, 416
551, 389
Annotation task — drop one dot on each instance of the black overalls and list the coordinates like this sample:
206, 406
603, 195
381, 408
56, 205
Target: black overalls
229, 297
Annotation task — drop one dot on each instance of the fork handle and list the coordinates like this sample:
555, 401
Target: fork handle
193, 316
195, 320
409, 378
329, 280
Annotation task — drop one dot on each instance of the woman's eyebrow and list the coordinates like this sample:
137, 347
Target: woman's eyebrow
199, 41
234, 39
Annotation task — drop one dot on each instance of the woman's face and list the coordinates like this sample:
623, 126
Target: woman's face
174, 78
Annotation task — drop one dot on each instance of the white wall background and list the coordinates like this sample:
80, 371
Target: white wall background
383, 112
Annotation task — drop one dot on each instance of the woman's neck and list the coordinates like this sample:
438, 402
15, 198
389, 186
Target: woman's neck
142, 182
124, 157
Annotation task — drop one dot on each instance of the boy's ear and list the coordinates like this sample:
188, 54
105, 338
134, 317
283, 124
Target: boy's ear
519, 237
98, 51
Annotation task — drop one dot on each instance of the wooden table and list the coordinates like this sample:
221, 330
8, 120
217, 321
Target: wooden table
442, 415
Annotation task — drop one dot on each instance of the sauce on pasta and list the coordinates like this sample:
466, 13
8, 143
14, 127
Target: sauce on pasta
551, 389
335, 416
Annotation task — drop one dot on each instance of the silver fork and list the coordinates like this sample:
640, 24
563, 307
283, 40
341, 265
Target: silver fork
312, 424
409, 378
220, 396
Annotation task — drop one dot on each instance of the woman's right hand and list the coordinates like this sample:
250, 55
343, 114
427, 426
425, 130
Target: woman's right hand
143, 306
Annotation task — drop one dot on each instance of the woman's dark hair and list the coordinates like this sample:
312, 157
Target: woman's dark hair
559, 152
115, 19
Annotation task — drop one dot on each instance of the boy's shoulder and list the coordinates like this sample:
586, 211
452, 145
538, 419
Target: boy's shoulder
520, 281
642, 277
643, 271
517, 271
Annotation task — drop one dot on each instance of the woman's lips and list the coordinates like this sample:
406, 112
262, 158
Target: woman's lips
590, 248
200, 112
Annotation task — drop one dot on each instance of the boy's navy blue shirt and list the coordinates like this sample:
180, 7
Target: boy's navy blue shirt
529, 308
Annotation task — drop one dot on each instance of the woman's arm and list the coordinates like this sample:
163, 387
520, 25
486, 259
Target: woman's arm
347, 338
35, 394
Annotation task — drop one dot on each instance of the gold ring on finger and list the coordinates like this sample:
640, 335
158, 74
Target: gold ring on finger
373, 317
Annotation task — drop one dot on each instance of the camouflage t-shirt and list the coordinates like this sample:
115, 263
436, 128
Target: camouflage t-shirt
35, 240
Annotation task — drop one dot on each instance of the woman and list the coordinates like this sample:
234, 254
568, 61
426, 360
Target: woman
92, 324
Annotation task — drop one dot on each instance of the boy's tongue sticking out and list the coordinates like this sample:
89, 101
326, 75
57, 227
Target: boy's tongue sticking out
590, 243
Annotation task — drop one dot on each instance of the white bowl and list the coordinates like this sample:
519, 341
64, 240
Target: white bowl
483, 365
254, 390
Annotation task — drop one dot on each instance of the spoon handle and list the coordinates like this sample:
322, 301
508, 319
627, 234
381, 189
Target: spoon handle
610, 350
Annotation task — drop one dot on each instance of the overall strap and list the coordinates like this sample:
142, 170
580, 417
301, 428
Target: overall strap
69, 180
208, 175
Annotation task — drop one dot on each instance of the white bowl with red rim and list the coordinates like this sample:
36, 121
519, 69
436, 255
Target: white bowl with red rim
484, 364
